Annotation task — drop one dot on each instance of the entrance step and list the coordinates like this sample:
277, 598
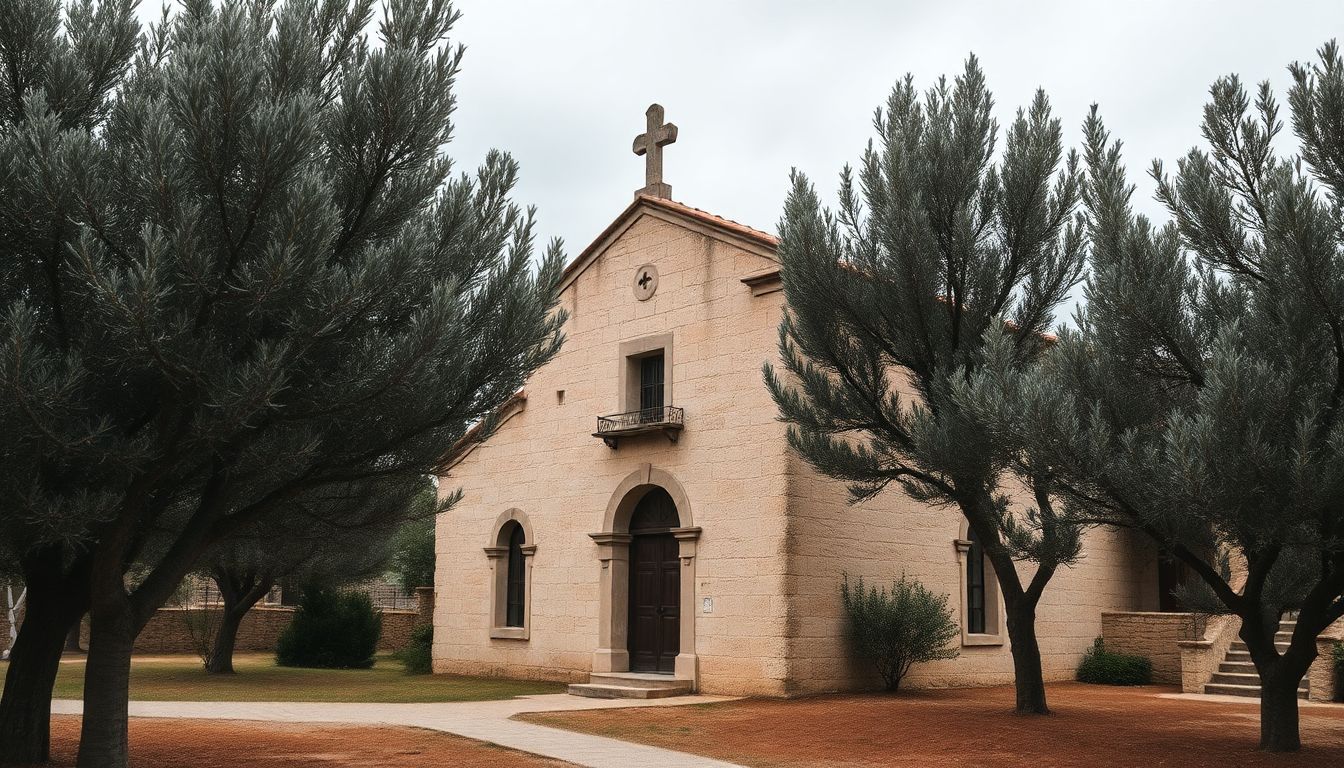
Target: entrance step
1238, 645
1250, 691
631, 685
642, 679
1236, 675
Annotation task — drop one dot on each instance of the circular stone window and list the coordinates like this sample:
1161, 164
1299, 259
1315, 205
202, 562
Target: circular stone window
645, 282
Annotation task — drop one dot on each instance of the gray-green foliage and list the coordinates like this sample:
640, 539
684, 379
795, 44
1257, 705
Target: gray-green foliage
897, 629
238, 271
1199, 398
255, 278
413, 545
938, 244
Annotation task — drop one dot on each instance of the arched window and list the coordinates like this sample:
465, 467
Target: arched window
981, 623
510, 552
975, 586
517, 579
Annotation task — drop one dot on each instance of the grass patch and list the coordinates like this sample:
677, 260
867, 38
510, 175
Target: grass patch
182, 678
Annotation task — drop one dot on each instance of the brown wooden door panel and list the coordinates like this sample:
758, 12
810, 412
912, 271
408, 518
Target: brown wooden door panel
655, 600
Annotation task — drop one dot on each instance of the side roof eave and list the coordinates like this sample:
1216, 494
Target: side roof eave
740, 235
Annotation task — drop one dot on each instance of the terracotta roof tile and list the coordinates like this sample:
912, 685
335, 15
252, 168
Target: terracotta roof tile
706, 216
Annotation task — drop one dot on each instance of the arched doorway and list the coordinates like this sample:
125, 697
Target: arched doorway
655, 584
646, 552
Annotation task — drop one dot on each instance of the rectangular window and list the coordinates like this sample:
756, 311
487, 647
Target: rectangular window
651, 387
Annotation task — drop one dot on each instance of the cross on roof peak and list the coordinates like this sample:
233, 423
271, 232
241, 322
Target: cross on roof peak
657, 134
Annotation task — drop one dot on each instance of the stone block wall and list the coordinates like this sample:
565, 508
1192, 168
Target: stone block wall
1155, 636
169, 631
891, 535
1200, 657
545, 463
1321, 674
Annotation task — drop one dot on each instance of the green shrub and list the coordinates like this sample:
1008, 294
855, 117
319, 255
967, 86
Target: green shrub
331, 630
416, 655
896, 629
1101, 666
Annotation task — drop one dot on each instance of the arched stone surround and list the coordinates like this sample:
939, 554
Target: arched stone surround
613, 554
497, 551
994, 623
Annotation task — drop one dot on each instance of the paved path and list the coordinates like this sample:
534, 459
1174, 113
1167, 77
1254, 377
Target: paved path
481, 720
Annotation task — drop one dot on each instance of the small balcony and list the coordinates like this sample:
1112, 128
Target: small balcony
667, 419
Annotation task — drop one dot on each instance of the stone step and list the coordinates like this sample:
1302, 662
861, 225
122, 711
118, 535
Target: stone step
593, 691
637, 680
1240, 678
1235, 678
1238, 645
1239, 656
1249, 691
1244, 667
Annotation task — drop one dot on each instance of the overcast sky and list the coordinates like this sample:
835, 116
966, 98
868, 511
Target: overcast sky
756, 88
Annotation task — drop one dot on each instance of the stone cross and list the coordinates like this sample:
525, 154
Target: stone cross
650, 144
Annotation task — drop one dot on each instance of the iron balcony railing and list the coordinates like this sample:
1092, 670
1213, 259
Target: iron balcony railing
666, 419
667, 415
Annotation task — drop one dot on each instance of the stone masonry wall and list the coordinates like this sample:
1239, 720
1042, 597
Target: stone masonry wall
169, 631
891, 535
1155, 636
730, 459
1321, 675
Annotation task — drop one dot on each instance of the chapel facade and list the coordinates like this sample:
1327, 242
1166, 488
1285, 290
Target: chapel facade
639, 516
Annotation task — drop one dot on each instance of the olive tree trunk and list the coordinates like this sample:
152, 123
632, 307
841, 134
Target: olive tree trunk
103, 741
1028, 677
25, 708
238, 600
57, 597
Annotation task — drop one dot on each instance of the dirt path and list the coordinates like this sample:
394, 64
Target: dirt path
1093, 726
228, 744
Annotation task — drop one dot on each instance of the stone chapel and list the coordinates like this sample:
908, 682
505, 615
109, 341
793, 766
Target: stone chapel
637, 525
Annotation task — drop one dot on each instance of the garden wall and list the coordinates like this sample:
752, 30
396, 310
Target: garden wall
1154, 636
169, 631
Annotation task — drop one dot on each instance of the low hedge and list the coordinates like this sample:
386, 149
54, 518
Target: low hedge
416, 655
1106, 668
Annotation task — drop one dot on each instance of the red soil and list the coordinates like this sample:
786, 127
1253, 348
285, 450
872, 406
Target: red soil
1093, 726
166, 743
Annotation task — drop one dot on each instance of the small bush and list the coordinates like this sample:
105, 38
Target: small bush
416, 655
1105, 668
331, 630
896, 629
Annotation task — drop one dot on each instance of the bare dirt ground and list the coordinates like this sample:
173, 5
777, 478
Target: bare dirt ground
235, 744
1093, 726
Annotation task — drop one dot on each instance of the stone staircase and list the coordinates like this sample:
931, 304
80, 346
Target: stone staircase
630, 685
1236, 676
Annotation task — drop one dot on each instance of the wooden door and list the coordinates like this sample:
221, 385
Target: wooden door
655, 600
